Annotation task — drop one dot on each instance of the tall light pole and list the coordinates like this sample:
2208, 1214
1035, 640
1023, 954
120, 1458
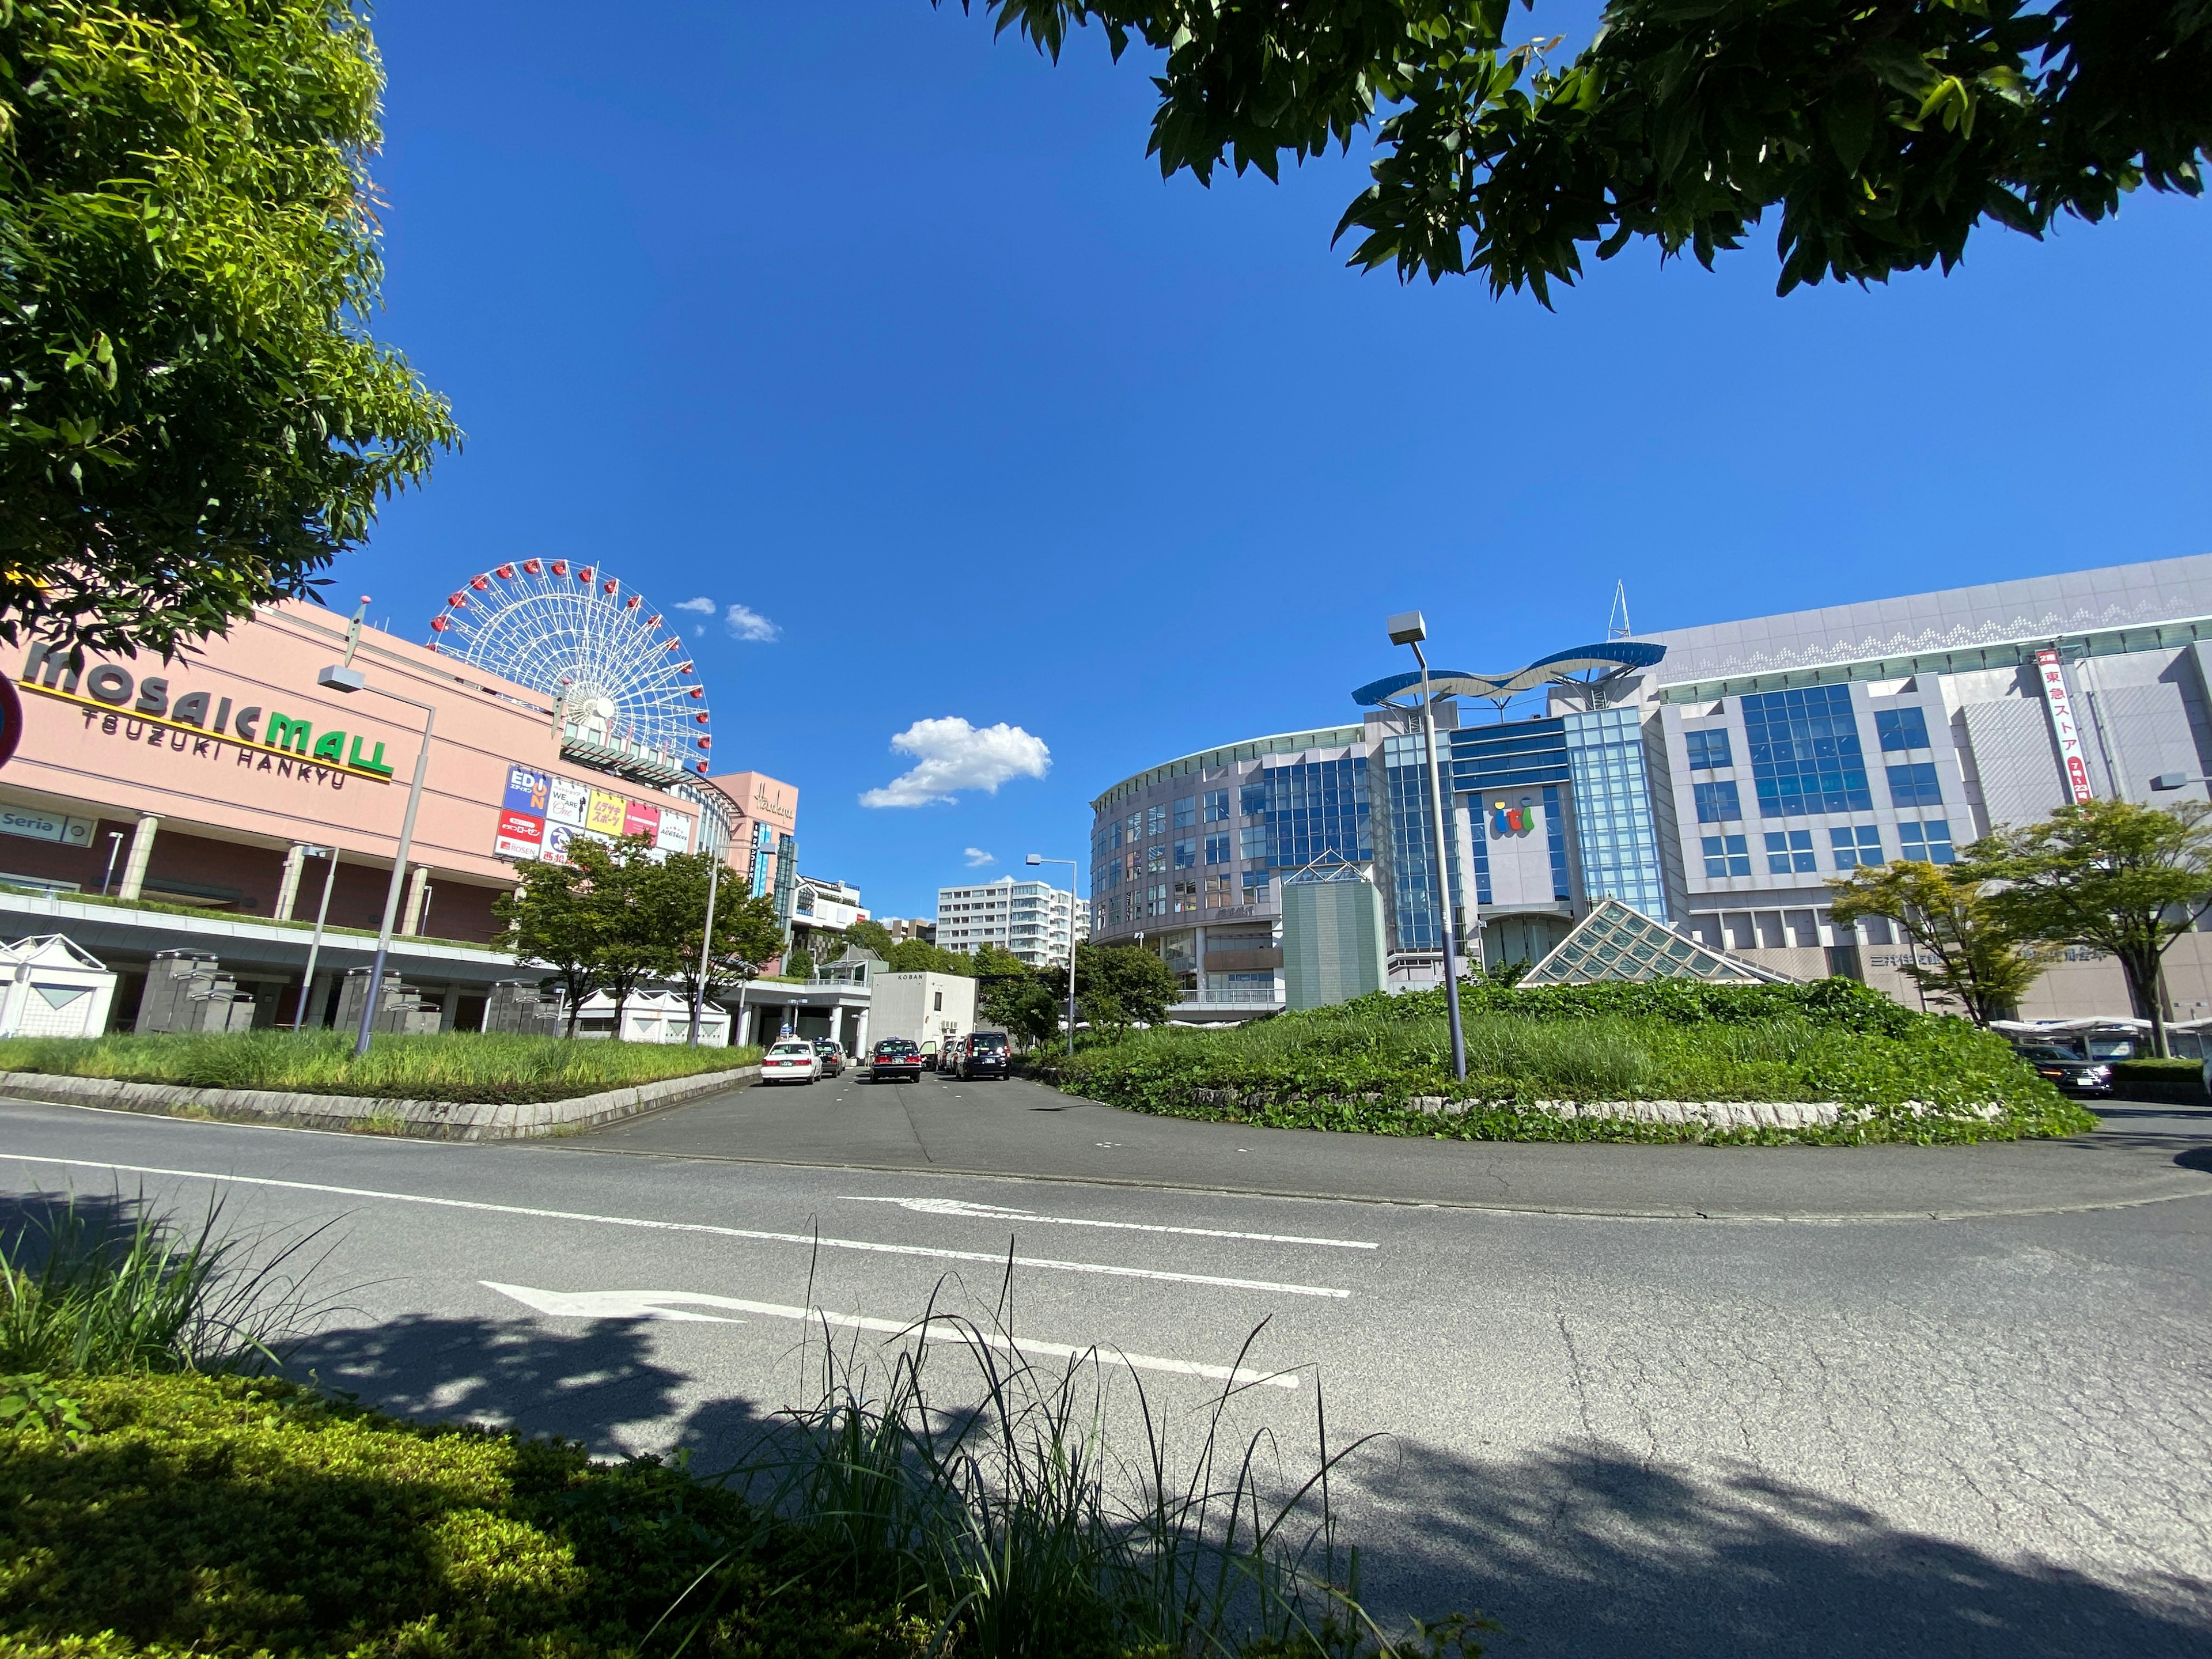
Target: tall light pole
344, 677
315, 942
1409, 629
707, 937
1074, 871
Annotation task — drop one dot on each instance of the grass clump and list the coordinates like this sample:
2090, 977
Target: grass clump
465, 1067
1900, 1074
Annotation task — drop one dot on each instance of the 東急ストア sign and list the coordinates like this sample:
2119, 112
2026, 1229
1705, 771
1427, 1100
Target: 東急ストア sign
2057, 698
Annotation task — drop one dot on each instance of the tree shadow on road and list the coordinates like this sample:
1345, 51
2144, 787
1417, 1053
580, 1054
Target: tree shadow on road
1595, 1554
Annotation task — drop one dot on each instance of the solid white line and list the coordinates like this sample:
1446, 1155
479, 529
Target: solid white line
674, 1305
808, 1239
956, 1206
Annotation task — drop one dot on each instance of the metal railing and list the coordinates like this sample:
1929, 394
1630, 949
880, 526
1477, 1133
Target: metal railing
1241, 996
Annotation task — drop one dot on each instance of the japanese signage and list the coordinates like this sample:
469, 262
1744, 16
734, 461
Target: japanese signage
541, 813
2060, 704
37, 824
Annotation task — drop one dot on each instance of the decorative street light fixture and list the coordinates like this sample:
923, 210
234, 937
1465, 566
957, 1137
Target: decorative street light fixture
1409, 629
1074, 871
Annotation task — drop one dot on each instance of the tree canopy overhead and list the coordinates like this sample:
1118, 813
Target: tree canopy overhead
194, 419
1883, 132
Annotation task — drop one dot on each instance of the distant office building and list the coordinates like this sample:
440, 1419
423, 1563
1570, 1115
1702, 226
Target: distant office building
1033, 919
1713, 778
821, 907
905, 928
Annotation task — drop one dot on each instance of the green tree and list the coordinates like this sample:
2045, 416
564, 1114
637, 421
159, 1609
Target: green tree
746, 935
629, 945
1118, 985
1884, 132
550, 918
1018, 997
799, 963
1945, 911
2113, 876
193, 418
914, 956
870, 936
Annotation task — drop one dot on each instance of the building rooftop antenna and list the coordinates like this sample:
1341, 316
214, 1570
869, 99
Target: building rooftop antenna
1616, 622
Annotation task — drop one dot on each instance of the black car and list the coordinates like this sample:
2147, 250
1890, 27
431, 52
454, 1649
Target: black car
2071, 1073
893, 1060
984, 1055
831, 1055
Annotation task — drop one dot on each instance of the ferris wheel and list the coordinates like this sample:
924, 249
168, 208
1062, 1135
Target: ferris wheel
628, 693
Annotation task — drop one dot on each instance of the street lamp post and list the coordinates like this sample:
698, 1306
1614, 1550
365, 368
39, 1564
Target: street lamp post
344, 676
1409, 629
315, 942
707, 945
1074, 871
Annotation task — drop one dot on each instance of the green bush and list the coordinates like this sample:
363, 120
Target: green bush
473, 1066
2159, 1071
1363, 1064
225, 1517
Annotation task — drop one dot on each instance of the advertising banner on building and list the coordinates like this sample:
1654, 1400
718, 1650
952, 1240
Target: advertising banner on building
605, 815
641, 818
2057, 698
525, 791
521, 836
675, 835
568, 802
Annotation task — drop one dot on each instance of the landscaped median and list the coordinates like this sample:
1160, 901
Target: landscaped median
457, 1086
1830, 1062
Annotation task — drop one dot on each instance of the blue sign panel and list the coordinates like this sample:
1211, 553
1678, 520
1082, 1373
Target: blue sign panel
525, 791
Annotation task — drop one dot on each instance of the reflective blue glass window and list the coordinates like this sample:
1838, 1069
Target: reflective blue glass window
1217, 806
1929, 841
1186, 813
1185, 854
1412, 860
1555, 840
1318, 810
1255, 886
1790, 852
1217, 849
1717, 802
1727, 855
1135, 826
1253, 799
1614, 826
1156, 859
1902, 729
1156, 820
1915, 785
1252, 841
1113, 834
1854, 844
1804, 752
1709, 749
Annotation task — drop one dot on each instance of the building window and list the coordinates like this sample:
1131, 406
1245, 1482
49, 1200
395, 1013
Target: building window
1217, 849
1185, 854
1727, 855
1158, 905
1915, 785
1928, 841
1709, 750
1255, 886
1113, 878
1135, 823
1790, 852
1219, 893
1253, 798
1186, 896
1902, 729
1113, 834
1717, 802
1217, 805
1156, 859
1805, 754
1156, 821
1615, 831
1318, 810
1186, 813
1252, 841
1854, 846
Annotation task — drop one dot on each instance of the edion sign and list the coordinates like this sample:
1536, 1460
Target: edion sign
2060, 704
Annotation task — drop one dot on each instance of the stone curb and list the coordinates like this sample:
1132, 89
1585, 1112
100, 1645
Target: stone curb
1712, 1113
429, 1120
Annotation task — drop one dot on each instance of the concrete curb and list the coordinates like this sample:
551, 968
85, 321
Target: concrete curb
429, 1120
1711, 1113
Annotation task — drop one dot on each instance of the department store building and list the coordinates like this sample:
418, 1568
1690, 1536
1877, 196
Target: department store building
206, 802
1713, 777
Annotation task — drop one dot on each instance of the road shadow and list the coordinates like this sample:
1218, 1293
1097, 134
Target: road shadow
1596, 1554
32, 1225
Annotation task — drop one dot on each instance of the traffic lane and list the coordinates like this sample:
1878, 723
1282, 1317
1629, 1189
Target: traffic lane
1022, 1130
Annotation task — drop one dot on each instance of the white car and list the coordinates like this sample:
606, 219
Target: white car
792, 1061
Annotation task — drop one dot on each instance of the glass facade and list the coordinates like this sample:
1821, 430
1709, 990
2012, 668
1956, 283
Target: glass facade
1727, 855
1928, 841
1718, 803
1413, 858
1709, 750
1318, 810
1614, 826
1915, 785
1854, 844
1902, 729
1805, 754
1790, 852
1555, 838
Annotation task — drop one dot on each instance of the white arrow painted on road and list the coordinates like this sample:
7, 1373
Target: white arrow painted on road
678, 1305
1000, 1212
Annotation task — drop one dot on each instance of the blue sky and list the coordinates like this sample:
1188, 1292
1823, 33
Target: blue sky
892, 335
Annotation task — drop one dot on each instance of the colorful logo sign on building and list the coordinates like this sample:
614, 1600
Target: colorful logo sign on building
1506, 820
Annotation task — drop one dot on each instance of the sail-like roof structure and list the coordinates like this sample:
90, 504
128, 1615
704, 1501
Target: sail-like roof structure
1613, 657
1617, 943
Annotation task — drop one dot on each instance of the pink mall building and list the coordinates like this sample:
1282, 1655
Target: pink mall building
199, 796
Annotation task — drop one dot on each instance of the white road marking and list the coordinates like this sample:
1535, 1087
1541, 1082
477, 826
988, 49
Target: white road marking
678, 1304
811, 1240
1001, 1212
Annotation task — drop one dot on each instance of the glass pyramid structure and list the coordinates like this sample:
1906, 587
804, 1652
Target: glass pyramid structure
1614, 942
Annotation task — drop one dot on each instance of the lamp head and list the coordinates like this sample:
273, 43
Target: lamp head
1033, 859
339, 677
1408, 628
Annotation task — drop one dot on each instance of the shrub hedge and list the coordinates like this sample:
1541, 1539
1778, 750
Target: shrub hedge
220, 1517
1365, 1066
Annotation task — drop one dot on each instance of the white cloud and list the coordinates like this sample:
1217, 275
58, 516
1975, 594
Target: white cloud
700, 606
977, 858
955, 756
746, 624
698, 633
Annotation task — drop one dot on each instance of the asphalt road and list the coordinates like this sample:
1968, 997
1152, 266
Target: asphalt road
1816, 1420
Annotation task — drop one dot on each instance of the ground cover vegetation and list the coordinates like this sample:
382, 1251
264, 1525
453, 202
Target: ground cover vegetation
616, 913
194, 419
1881, 133
158, 1498
497, 1068
1370, 1064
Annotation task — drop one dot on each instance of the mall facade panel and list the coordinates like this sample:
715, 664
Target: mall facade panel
1712, 778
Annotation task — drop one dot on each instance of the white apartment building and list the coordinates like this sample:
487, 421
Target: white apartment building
1032, 920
